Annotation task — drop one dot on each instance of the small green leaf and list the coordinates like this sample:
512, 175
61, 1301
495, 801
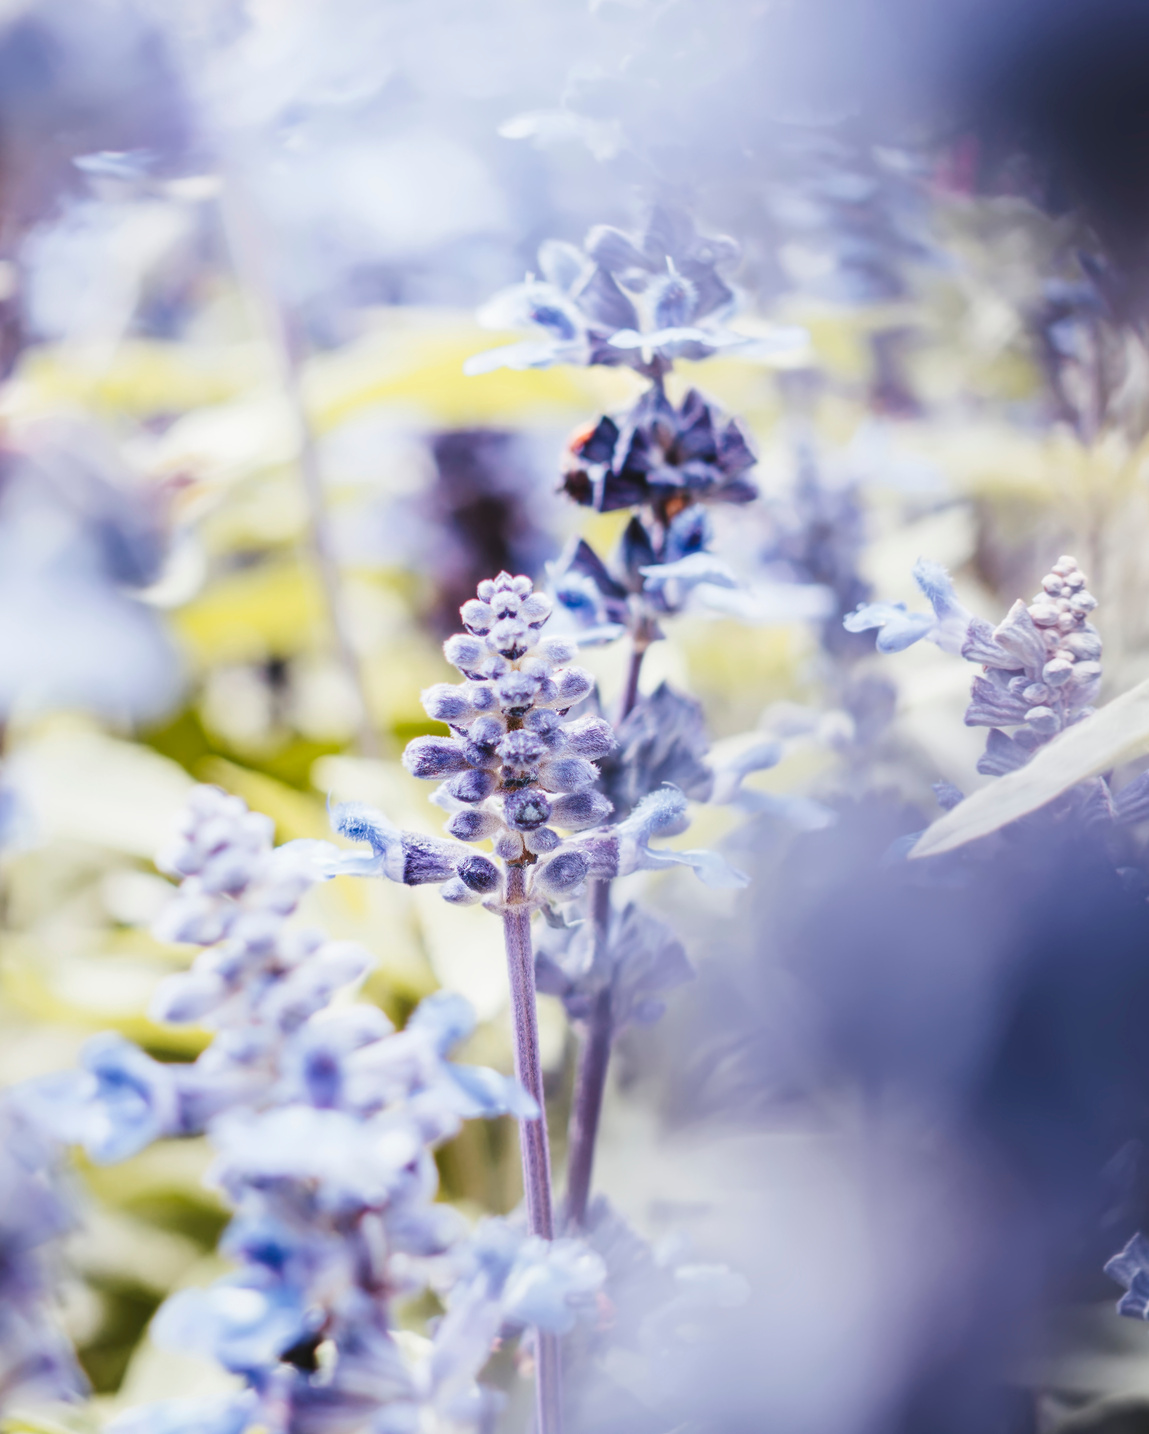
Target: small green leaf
1116, 734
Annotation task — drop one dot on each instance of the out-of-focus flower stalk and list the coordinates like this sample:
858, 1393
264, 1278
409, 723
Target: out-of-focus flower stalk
594, 1057
248, 253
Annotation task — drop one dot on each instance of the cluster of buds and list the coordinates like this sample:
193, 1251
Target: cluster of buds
513, 771
1042, 669
236, 897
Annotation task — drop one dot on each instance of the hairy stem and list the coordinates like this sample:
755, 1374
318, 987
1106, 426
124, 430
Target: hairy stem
533, 1142
590, 1078
630, 688
594, 1057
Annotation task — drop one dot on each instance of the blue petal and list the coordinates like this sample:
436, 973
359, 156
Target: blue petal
938, 586
244, 1328
135, 1101
326, 860
711, 868
491, 1094
899, 629
447, 1017
689, 571
358, 822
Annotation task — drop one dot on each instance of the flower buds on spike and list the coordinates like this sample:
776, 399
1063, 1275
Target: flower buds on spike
434, 758
590, 737
447, 703
473, 825
562, 873
479, 873
579, 810
567, 774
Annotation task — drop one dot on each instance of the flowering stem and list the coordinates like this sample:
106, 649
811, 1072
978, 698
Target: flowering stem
533, 1141
594, 1058
590, 1079
633, 670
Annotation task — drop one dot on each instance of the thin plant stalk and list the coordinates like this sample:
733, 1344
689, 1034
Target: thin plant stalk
243, 235
594, 1057
533, 1142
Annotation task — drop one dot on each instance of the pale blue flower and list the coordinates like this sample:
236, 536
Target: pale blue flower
244, 1327
898, 629
663, 813
117, 1103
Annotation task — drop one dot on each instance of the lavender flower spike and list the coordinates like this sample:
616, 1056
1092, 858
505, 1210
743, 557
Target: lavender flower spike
899, 628
513, 772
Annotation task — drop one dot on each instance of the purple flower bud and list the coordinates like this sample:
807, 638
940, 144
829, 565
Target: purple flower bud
559, 650
1043, 720
506, 604
187, 996
563, 872
567, 774
543, 840
458, 893
521, 752
473, 785
547, 693
580, 810
511, 637
527, 809
465, 653
473, 825
479, 873
1085, 643
547, 726
447, 702
517, 691
478, 617
590, 737
1057, 671
434, 757
535, 610
480, 756
481, 696
487, 731
574, 684
508, 846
